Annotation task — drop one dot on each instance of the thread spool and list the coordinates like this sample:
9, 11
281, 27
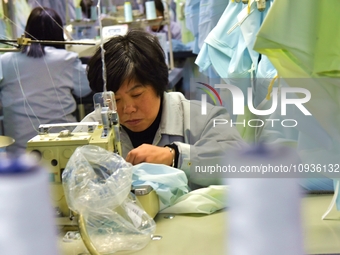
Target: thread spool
128, 12
27, 220
79, 15
150, 10
94, 15
113, 9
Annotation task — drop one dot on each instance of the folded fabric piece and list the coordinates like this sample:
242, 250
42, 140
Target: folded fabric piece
205, 201
174, 195
168, 182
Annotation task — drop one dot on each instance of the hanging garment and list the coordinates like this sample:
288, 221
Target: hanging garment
210, 12
228, 49
191, 11
220, 42
294, 41
298, 38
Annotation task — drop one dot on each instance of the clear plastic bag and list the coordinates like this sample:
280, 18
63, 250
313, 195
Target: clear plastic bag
97, 186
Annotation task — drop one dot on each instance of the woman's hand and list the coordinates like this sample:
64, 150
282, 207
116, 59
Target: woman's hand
150, 154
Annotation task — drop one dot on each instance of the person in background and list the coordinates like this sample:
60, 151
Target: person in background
85, 6
175, 28
39, 82
65, 9
157, 126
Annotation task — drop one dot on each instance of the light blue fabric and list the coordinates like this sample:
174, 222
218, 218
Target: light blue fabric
168, 182
227, 38
191, 10
204, 17
318, 184
227, 53
177, 45
230, 51
337, 202
201, 17
218, 40
210, 12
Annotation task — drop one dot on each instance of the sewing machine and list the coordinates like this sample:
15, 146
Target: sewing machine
53, 151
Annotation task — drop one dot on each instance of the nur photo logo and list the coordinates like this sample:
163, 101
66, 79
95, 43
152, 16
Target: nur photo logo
212, 93
239, 104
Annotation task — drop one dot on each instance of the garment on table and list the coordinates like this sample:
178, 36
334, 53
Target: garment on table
169, 183
174, 195
204, 201
38, 91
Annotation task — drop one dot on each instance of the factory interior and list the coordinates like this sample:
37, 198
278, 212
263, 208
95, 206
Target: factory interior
161, 127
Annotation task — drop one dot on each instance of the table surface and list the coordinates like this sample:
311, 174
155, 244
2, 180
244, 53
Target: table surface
206, 234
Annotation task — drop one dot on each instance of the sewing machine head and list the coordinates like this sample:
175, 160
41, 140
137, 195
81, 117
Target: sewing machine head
53, 151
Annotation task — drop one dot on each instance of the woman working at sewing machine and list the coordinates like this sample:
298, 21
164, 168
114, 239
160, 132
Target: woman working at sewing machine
174, 27
38, 83
158, 126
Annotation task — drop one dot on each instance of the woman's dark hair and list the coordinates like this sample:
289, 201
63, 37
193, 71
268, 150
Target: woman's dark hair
135, 56
43, 24
159, 6
86, 8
